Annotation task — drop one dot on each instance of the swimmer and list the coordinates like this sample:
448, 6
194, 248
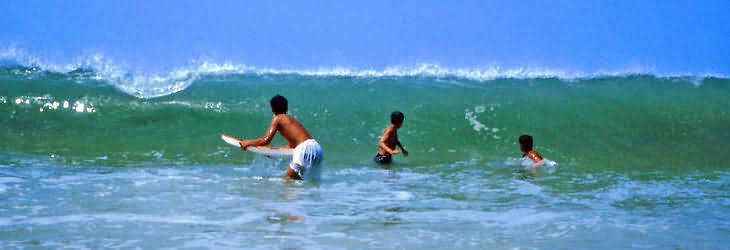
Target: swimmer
526, 148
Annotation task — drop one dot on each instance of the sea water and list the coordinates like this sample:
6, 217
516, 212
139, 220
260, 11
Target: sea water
92, 160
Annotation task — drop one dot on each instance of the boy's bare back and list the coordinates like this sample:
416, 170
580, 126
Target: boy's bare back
290, 129
307, 153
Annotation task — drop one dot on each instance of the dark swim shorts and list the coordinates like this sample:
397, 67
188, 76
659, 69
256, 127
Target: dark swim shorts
383, 159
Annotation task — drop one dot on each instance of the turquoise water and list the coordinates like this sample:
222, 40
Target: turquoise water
642, 161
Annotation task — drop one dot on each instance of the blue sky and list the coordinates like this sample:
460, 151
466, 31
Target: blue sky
668, 36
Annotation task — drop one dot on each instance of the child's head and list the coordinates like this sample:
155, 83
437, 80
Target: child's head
279, 105
396, 118
525, 143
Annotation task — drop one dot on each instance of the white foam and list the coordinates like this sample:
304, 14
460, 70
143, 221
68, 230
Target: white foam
48, 103
18, 56
151, 85
4, 180
116, 217
476, 124
482, 73
334, 235
403, 195
7, 180
513, 217
529, 163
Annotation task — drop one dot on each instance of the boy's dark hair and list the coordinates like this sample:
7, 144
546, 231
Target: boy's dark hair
526, 142
396, 117
279, 104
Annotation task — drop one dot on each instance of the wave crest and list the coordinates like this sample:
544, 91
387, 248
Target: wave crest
150, 85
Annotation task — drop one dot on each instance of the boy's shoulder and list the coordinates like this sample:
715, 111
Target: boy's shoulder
534, 155
283, 117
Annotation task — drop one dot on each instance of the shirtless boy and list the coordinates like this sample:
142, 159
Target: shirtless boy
526, 148
308, 153
390, 140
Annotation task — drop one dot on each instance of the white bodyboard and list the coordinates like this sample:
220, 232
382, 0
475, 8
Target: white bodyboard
267, 151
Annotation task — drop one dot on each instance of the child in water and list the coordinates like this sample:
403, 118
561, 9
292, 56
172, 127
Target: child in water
526, 148
390, 140
308, 153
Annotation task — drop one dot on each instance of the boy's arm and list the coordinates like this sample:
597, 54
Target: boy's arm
263, 141
383, 145
405, 152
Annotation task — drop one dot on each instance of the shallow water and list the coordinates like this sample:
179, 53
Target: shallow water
249, 206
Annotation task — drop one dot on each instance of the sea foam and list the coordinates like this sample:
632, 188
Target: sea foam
144, 84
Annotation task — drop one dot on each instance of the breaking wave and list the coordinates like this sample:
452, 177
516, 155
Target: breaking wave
142, 84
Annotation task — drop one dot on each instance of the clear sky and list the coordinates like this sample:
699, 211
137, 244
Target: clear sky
667, 36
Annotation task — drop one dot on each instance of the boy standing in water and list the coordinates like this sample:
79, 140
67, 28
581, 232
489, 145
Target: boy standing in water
308, 153
390, 140
526, 148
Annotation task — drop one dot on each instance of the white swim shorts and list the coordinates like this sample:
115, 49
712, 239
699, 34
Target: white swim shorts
307, 158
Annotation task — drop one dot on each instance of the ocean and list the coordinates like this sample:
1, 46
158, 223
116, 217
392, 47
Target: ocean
95, 158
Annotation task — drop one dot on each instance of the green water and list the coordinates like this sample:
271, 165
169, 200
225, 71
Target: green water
640, 122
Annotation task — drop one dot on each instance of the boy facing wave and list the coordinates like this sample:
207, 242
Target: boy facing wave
308, 154
389, 140
526, 148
